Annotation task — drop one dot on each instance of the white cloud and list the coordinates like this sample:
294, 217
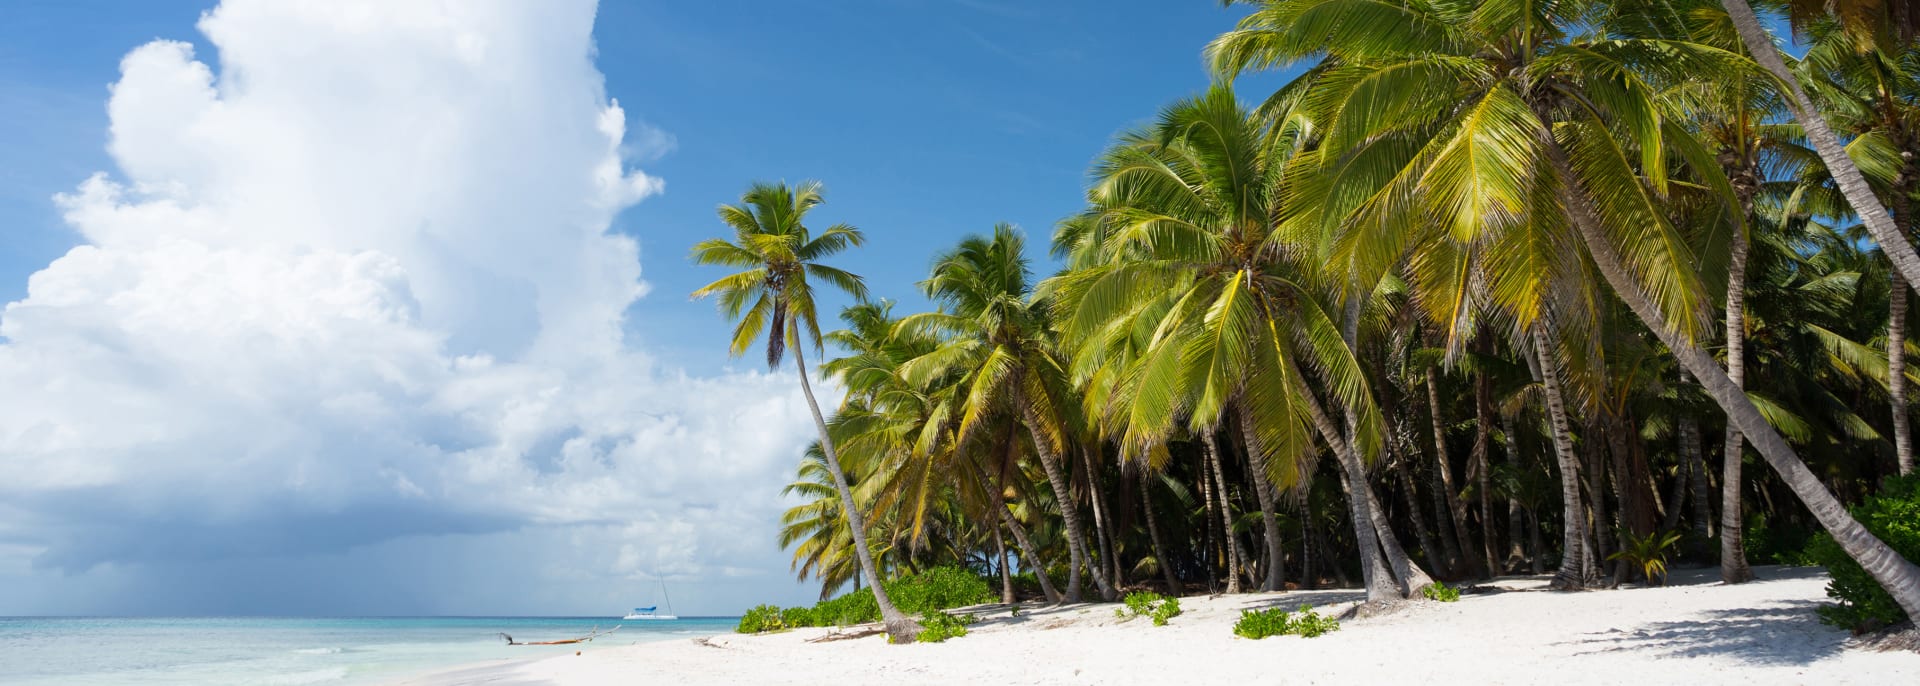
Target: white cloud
358, 285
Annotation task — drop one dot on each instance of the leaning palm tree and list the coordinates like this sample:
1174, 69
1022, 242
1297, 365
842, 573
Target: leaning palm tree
773, 294
1868, 23
1505, 118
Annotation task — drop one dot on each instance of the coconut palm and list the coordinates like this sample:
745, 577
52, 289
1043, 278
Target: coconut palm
1238, 316
999, 343
779, 256
1506, 118
1880, 23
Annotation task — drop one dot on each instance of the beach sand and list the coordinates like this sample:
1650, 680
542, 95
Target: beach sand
1696, 631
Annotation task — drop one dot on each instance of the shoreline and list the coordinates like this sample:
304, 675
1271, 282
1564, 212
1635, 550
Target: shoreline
1511, 631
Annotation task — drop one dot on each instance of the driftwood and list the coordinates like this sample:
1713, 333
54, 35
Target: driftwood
583, 639
845, 635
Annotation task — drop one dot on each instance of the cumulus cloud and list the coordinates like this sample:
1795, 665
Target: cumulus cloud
357, 286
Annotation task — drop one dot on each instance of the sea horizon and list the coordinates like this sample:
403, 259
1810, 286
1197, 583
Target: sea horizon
289, 650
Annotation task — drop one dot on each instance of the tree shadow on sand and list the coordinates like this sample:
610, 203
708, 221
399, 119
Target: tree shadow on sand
1781, 633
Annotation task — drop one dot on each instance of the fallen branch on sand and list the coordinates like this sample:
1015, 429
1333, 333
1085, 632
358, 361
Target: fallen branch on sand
583, 639
847, 635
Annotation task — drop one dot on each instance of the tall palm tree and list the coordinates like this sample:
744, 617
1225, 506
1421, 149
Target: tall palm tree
999, 343
1238, 313
773, 294
1510, 117
1867, 21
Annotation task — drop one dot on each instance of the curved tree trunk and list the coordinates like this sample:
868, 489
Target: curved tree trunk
1263, 486
900, 628
1403, 468
1846, 175
1063, 495
1899, 576
1573, 556
1234, 561
1153, 531
1027, 550
1381, 585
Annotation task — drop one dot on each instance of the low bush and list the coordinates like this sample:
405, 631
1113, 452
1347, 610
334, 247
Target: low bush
939, 588
1440, 592
762, 619
1893, 515
940, 626
1149, 604
1648, 553
1257, 624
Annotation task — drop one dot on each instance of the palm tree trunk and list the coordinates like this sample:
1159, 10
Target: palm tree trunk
1006, 573
1153, 531
1447, 509
1381, 585
1594, 476
1226, 512
1733, 554
1897, 372
900, 628
1481, 465
1263, 486
1027, 550
1403, 468
1109, 555
1210, 548
1076, 539
1573, 556
1899, 576
1516, 555
1846, 175
1307, 578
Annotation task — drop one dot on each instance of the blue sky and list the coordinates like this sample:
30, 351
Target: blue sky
349, 321
926, 119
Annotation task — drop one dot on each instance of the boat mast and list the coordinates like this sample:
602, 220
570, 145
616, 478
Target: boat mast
663, 594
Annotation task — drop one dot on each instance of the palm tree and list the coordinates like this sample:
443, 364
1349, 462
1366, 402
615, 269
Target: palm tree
1509, 118
1191, 208
779, 256
1868, 19
1874, 95
999, 343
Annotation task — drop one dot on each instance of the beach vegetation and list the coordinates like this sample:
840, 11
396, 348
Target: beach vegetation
941, 626
1305, 623
1440, 592
1527, 285
1861, 604
1148, 604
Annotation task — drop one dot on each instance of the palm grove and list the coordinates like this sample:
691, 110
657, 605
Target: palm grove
1488, 287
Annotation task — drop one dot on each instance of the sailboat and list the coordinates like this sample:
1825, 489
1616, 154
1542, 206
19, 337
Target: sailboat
652, 612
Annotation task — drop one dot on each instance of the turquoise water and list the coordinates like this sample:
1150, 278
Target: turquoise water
216, 651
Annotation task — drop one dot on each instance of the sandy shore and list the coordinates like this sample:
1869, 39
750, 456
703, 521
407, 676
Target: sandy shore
1694, 632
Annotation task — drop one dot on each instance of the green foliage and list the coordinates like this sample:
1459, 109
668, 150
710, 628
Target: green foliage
1441, 592
1893, 516
940, 626
1149, 604
1778, 541
1257, 624
762, 619
1648, 552
929, 591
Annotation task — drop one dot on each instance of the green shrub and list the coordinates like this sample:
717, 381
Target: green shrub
1440, 592
1149, 604
935, 589
1893, 516
762, 619
1647, 553
1257, 624
940, 626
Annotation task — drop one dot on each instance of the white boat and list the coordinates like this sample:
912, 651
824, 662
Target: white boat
653, 612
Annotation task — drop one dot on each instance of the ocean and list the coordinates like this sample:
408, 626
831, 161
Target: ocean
273, 651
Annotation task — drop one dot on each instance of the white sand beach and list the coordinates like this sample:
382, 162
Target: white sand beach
1696, 631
